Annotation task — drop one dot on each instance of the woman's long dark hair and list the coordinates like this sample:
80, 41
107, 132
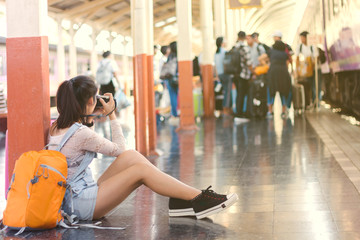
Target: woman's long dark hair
71, 99
173, 50
279, 45
219, 42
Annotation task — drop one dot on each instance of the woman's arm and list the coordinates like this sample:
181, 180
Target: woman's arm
89, 140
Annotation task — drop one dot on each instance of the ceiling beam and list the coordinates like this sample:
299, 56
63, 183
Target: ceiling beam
86, 5
51, 2
164, 17
112, 16
97, 7
54, 10
163, 7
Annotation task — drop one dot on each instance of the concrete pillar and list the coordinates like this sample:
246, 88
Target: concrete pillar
94, 55
60, 53
140, 38
236, 19
229, 28
219, 12
151, 93
207, 57
125, 69
184, 21
111, 39
28, 88
242, 19
72, 52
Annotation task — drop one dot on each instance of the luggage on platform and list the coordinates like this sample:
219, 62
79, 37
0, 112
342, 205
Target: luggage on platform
298, 98
257, 98
219, 96
198, 102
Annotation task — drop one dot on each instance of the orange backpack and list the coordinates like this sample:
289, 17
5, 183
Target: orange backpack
37, 189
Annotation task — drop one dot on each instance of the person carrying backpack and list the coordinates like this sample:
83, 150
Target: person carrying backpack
105, 74
241, 77
255, 36
308, 53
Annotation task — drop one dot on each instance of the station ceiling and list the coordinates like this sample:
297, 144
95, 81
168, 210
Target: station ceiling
114, 15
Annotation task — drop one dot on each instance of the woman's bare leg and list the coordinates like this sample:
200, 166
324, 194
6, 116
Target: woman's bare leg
122, 162
115, 187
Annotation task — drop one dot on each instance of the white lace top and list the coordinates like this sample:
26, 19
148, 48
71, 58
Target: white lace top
86, 139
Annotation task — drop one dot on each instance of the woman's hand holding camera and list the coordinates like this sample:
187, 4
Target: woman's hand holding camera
108, 107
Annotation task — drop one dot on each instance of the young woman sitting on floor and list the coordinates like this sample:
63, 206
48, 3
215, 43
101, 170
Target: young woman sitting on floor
76, 101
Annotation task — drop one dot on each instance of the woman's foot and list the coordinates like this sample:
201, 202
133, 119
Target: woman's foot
209, 202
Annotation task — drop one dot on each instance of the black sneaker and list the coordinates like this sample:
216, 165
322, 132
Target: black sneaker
209, 202
180, 208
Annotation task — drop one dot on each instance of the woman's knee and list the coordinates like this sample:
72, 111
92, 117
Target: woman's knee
141, 170
132, 156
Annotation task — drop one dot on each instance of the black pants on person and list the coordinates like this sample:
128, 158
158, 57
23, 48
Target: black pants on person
108, 88
242, 88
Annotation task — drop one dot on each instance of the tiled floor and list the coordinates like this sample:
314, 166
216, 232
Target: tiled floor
289, 183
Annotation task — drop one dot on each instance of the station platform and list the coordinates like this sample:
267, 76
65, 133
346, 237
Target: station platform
296, 179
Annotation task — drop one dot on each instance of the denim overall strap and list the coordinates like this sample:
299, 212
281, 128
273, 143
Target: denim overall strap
68, 134
89, 156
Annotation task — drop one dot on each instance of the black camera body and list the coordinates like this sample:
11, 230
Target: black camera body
98, 103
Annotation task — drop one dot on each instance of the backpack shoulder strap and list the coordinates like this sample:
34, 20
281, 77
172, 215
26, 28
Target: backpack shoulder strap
300, 50
258, 49
68, 135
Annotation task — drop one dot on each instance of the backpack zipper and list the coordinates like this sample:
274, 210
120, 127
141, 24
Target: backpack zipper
52, 169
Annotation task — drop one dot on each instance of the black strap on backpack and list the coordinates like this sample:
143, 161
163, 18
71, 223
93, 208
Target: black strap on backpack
311, 48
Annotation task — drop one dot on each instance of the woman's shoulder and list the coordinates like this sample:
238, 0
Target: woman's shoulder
84, 130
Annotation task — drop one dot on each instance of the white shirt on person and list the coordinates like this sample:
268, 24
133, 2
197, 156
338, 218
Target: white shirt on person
256, 51
307, 50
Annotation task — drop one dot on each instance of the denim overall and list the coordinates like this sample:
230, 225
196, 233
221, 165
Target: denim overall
80, 196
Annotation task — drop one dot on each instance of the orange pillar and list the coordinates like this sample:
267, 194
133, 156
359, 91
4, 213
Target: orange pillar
27, 78
208, 90
207, 57
151, 93
152, 138
183, 13
138, 27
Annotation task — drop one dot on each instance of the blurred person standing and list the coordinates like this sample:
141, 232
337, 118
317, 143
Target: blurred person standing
305, 64
241, 80
277, 36
255, 36
256, 50
279, 77
224, 78
169, 73
165, 50
256, 100
106, 73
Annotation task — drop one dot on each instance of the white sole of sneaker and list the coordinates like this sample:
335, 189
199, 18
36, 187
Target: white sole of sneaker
181, 212
232, 198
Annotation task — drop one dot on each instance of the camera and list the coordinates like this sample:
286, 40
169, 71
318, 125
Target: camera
98, 103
